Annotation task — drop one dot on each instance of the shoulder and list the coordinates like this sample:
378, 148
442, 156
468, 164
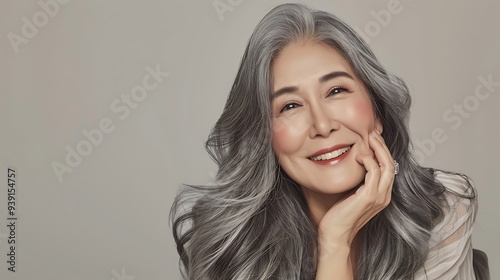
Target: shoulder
450, 248
459, 184
460, 203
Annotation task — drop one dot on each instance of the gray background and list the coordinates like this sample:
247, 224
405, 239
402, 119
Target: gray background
108, 218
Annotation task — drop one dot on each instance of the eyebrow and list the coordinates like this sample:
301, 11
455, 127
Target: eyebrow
324, 78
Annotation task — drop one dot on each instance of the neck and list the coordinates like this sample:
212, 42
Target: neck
319, 204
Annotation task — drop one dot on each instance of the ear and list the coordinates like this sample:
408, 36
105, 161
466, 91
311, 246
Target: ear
378, 126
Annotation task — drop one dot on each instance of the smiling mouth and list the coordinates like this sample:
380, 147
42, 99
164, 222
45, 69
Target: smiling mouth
331, 155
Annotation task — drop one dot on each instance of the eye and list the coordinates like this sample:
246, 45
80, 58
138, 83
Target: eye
288, 106
336, 90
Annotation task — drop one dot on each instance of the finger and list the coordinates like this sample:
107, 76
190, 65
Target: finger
387, 166
384, 147
373, 198
379, 137
372, 176
385, 160
382, 153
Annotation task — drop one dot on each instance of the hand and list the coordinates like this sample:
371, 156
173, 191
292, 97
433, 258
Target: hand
341, 223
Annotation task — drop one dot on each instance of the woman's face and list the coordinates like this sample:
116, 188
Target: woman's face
319, 106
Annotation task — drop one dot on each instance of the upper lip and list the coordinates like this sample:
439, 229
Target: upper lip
331, 149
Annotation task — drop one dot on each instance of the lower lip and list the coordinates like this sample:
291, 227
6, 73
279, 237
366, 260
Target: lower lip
333, 160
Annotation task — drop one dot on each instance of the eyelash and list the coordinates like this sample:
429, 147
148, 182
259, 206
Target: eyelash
336, 88
284, 108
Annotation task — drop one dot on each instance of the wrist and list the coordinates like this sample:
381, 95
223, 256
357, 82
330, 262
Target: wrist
333, 241
334, 262
329, 249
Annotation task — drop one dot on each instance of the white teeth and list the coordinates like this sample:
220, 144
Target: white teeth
332, 154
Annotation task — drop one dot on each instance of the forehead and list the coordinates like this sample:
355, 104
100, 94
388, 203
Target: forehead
304, 60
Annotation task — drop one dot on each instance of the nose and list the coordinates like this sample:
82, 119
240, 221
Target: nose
323, 122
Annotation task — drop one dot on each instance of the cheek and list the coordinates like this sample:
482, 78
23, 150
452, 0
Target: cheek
362, 113
289, 135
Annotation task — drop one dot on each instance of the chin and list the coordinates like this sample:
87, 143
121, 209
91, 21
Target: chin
343, 187
336, 186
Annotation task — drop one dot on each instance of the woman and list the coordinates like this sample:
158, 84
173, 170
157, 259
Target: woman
316, 178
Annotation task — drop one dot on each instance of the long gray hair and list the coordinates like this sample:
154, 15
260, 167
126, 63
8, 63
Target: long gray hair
253, 222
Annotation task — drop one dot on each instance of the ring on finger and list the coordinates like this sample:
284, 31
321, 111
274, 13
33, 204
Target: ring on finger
396, 167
